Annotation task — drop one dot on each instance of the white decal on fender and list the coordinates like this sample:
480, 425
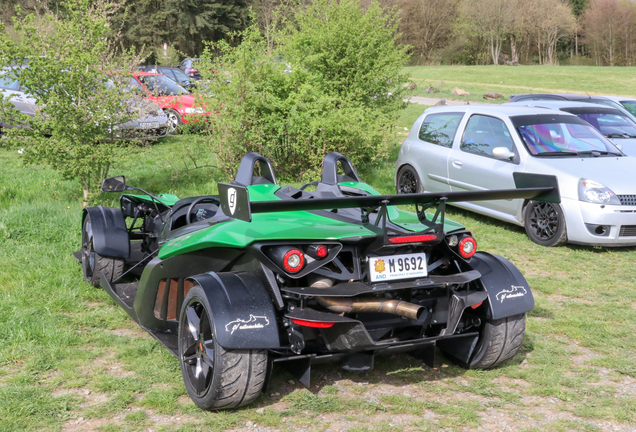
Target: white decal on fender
231, 199
254, 323
514, 291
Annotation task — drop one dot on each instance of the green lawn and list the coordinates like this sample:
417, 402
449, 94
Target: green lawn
507, 80
72, 360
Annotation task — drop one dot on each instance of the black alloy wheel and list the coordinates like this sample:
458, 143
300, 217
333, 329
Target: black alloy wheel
545, 223
408, 181
215, 378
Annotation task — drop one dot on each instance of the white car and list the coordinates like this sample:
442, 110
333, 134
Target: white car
479, 147
611, 122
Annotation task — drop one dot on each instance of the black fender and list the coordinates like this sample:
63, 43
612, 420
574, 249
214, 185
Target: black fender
110, 234
508, 291
242, 311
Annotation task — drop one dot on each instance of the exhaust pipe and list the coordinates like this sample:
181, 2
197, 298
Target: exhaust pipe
395, 307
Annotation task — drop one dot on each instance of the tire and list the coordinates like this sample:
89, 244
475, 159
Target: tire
545, 223
174, 121
214, 377
499, 342
408, 181
93, 264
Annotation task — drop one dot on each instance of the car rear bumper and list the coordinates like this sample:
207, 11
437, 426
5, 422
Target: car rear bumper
600, 225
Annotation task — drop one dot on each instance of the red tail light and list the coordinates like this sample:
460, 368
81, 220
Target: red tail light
467, 247
413, 239
294, 260
313, 324
193, 70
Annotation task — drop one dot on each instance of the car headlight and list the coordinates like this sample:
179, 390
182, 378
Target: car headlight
197, 110
594, 192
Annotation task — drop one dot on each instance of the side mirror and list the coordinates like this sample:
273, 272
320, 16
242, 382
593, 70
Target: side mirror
618, 146
114, 184
502, 153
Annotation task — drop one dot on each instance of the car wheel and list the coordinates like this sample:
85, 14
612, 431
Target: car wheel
545, 223
174, 121
498, 342
214, 377
93, 264
408, 181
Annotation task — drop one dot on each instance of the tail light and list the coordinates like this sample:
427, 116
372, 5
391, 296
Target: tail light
294, 260
467, 247
193, 70
413, 239
317, 251
313, 324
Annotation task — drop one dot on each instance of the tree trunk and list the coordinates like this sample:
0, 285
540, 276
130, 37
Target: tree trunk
492, 50
514, 55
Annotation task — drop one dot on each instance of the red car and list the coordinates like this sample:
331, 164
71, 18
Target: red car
176, 101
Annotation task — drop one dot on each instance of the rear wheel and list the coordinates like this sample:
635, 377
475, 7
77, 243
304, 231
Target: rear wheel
545, 223
499, 342
408, 181
93, 264
214, 377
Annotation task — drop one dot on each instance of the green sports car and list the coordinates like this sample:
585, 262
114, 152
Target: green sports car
260, 274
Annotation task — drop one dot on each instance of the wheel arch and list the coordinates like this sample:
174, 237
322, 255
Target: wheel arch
508, 291
110, 234
242, 311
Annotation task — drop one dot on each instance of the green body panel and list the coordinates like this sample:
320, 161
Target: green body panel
292, 225
167, 199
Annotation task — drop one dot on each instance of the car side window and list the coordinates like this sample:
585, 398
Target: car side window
484, 133
9, 83
440, 128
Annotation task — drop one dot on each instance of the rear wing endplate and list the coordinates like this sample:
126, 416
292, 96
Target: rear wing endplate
235, 198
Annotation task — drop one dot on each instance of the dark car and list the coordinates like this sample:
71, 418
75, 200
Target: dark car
602, 100
175, 74
187, 66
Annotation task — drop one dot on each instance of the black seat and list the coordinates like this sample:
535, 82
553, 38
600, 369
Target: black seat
330, 174
245, 174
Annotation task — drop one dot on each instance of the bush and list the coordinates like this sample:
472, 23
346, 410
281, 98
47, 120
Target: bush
334, 83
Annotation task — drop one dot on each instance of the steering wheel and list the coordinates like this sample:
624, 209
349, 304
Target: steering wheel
313, 183
198, 201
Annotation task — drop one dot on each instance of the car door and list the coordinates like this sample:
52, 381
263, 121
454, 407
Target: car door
473, 167
429, 152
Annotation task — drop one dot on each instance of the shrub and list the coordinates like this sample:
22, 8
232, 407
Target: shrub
333, 83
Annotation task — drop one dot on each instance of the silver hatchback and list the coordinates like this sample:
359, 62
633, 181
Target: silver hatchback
479, 147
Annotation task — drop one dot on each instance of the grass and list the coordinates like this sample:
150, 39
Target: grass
508, 80
72, 359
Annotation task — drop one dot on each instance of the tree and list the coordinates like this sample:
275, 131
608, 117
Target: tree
78, 104
427, 25
333, 83
607, 26
491, 19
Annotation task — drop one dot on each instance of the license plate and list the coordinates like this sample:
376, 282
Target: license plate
149, 125
397, 267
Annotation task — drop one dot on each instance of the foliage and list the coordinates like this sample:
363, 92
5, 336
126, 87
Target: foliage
334, 82
186, 25
76, 105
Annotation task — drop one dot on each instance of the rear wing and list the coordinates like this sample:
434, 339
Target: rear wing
235, 198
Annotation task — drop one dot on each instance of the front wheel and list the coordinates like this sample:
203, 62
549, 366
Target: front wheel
93, 264
545, 223
214, 377
174, 121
